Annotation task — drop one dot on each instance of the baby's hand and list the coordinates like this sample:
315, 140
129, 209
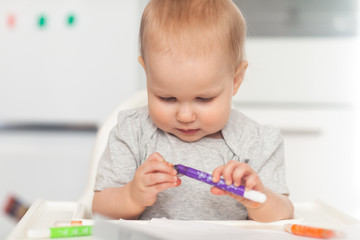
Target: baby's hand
152, 177
237, 173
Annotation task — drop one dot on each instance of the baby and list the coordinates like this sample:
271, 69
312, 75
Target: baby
192, 52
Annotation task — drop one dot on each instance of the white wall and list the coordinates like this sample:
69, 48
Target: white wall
301, 70
60, 73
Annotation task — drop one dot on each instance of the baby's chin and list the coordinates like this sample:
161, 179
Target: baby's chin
186, 138
194, 138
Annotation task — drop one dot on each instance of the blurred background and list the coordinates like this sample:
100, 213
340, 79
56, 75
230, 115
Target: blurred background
64, 65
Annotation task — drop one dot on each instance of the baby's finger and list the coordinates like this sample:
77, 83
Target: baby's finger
217, 173
217, 191
155, 157
156, 163
239, 174
229, 170
152, 179
153, 167
163, 186
246, 202
252, 182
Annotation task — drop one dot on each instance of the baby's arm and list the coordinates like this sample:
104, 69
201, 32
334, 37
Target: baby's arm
276, 207
129, 201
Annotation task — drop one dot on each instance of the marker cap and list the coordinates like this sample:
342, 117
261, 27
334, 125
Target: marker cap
255, 196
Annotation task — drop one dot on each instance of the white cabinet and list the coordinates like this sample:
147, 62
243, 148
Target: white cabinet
320, 152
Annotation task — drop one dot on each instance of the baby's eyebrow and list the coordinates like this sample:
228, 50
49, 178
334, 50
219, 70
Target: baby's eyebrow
210, 94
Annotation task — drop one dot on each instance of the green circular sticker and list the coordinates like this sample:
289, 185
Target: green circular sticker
71, 19
42, 21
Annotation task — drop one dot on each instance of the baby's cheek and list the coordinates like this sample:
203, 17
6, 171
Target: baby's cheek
216, 119
160, 116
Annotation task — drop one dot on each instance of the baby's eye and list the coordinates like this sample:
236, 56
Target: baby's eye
168, 99
205, 99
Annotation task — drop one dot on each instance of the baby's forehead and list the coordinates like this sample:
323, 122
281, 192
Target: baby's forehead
190, 46
209, 61
175, 65
182, 53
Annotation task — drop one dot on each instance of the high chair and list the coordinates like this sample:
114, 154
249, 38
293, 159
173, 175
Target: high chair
44, 213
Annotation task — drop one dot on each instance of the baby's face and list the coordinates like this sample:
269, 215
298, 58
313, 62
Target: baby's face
190, 97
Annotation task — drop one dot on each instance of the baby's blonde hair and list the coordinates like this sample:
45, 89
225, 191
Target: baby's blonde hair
192, 27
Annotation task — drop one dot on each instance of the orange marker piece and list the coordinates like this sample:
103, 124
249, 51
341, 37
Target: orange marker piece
308, 231
81, 222
76, 223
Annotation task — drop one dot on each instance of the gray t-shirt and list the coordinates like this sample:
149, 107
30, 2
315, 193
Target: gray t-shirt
135, 137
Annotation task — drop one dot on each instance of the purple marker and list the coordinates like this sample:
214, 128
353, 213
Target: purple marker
252, 195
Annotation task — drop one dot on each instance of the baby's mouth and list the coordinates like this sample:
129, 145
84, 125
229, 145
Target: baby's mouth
189, 131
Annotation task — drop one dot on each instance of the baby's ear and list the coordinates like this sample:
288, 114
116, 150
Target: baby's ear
239, 75
141, 61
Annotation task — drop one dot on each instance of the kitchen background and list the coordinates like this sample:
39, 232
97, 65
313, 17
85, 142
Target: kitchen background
64, 65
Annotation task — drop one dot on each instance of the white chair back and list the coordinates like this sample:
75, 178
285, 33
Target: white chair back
137, 100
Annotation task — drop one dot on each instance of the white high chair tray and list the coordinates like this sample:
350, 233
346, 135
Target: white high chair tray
44, 214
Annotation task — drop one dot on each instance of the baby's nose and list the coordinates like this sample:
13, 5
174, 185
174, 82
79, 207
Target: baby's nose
185, 114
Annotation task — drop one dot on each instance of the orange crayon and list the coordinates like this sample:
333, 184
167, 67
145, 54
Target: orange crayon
308, 231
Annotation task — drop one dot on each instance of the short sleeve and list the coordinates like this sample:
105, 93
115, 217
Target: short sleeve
121, 158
